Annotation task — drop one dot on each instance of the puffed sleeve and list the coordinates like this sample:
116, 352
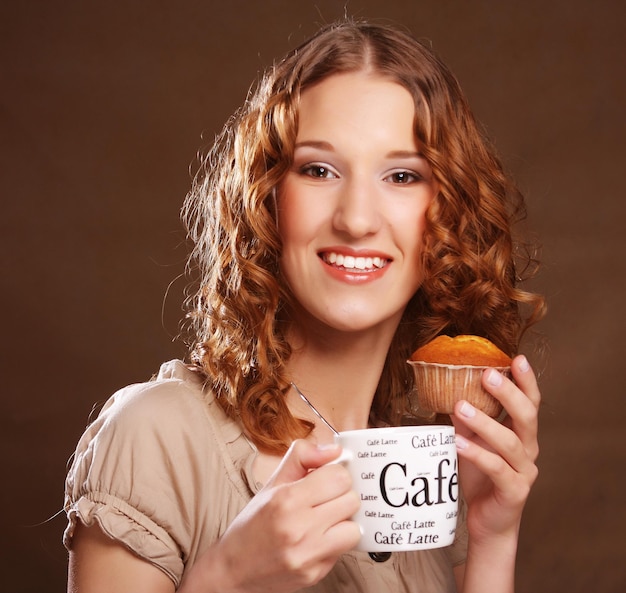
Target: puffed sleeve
140, 473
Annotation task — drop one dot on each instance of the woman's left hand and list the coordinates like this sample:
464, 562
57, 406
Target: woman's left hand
497, 460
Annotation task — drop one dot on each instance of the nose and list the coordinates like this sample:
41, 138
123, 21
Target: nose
357, 211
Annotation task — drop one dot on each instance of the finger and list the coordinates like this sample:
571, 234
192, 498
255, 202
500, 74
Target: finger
512, 480
340, 537
500, 387
336, 507
323, 485
315, 555
461, 429
526, 379
300, 459
320, 532
503, 442
520, 405
335, 530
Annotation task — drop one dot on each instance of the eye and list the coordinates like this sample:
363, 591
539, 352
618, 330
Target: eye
403, 177
318, 171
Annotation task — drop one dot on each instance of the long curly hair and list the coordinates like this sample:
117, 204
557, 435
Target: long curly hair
472, 266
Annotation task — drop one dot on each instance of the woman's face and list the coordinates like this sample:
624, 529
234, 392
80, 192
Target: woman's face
351, 210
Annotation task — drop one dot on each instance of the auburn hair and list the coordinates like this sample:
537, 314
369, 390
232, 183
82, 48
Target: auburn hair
471, 265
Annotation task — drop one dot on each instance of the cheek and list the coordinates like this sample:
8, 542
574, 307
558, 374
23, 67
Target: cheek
298, 214
290, 219
409, 227
286, 216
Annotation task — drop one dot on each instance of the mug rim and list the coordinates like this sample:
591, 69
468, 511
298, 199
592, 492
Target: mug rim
396, 429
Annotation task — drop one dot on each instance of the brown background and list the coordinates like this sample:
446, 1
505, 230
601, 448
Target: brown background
102, 108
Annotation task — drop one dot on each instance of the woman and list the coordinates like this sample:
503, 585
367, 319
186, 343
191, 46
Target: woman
350, 212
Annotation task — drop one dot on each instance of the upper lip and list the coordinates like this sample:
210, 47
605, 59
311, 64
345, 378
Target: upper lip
354, 252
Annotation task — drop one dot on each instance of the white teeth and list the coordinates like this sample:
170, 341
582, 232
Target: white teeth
350, 262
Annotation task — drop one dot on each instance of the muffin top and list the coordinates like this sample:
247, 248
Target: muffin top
462, 350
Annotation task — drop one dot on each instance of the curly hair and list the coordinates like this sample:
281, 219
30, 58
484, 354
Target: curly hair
471, 263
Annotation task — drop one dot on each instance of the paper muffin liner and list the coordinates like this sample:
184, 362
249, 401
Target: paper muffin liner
439, 386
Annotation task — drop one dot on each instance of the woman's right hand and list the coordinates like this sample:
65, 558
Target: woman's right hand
290, 534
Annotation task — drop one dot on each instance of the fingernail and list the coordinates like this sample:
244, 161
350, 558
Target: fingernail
523, 364
468, 410
461, 443
494, 378
328, 447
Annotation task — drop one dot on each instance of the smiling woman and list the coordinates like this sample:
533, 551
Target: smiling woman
357, 190
348, 213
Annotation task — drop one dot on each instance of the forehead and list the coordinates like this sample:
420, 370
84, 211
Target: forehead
358, 101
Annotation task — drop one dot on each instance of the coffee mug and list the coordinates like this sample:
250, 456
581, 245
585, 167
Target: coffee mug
407, 480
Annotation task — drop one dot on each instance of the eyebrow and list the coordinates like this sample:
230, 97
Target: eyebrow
323, 145
405, 154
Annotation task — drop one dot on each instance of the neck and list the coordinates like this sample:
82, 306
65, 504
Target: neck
338, 375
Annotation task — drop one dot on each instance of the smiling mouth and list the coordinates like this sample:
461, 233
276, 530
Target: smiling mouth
351, 262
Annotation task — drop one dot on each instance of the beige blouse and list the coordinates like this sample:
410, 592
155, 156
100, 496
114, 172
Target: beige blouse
164, 471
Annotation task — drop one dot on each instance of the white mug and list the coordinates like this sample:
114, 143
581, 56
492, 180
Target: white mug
407, 480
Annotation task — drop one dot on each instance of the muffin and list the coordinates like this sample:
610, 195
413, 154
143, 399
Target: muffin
449, 369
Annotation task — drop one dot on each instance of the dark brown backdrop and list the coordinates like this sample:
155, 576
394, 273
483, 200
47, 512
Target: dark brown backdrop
102, 108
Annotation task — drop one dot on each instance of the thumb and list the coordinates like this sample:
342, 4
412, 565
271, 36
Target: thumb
300, 459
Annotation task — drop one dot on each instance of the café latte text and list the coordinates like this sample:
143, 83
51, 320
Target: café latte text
399, 490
